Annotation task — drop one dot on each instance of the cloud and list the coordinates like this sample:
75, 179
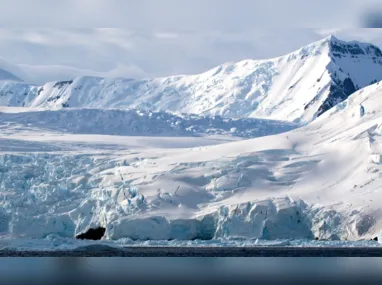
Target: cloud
372, 19
327, 32
167, 37
194, 15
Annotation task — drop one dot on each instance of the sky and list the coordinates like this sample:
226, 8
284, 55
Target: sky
149, 38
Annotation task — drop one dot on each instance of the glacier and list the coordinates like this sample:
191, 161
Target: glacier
270, 152
135, 122
288, 185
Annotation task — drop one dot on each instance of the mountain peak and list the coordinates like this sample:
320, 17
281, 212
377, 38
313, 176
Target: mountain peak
336, 47
352, 48
331, 38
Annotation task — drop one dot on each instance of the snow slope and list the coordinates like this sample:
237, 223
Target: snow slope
318, 181
297, 87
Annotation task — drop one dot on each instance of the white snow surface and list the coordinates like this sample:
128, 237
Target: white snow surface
321, 180
291, 87
210, 159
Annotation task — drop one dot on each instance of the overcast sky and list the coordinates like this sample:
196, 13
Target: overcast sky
166, 37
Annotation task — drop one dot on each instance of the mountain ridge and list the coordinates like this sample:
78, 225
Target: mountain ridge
298, 87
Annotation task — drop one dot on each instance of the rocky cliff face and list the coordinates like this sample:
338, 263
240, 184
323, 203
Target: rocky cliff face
346, 80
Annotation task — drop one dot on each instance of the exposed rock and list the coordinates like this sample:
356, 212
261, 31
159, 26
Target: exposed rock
339, 92
92, 234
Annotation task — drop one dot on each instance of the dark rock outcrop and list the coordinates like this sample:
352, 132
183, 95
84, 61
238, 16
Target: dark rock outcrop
339, 91
92, 234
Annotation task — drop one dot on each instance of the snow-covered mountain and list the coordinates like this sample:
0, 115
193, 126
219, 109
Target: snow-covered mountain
297, 87
70, 162
322, 180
